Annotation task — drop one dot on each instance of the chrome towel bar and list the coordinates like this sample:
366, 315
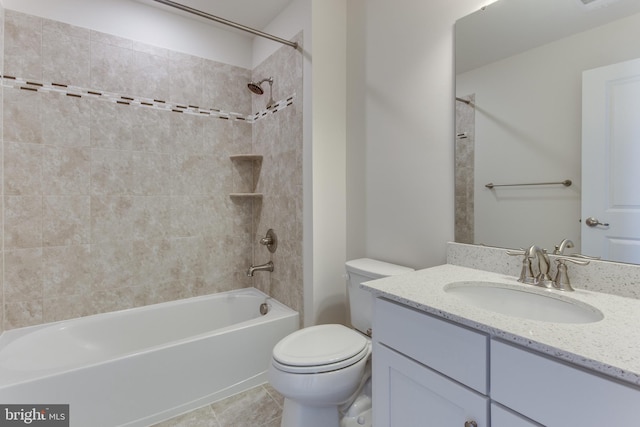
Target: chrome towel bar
566, 183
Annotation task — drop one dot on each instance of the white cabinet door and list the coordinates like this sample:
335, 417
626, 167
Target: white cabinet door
408, 394
501, 417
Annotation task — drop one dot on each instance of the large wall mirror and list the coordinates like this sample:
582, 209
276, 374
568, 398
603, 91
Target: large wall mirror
540, 86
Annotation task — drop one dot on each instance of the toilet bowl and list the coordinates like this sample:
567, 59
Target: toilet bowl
324, 371
317, 370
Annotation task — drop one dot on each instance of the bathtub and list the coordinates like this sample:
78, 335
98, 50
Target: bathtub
140, 366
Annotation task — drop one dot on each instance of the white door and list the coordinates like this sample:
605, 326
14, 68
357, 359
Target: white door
408, 394
611, 162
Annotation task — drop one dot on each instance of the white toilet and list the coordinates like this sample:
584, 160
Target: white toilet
323, 371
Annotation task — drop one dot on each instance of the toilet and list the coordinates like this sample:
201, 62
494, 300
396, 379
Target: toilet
324, 371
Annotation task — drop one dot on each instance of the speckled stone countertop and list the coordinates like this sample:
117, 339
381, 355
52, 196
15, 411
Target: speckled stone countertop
609, 346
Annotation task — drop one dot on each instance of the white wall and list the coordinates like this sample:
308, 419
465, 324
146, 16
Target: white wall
151, 25
329, 158
403, 141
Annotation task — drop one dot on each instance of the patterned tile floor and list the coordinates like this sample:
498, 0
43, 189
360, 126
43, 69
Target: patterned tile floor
258, 407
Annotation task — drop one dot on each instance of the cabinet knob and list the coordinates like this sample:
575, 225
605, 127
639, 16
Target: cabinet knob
470, 424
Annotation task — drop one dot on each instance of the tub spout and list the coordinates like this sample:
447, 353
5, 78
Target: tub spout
263, 267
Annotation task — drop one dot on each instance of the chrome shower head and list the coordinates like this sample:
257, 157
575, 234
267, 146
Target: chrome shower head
257, 88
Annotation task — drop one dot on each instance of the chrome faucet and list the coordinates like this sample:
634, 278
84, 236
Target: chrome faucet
268, 266
526, 274
561, 281
566, 243
543, 278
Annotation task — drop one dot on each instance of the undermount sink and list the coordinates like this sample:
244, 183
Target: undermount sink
535, 304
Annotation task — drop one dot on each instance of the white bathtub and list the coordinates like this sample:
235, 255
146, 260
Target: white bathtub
140, 366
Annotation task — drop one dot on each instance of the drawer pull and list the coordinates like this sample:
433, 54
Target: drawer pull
470, 424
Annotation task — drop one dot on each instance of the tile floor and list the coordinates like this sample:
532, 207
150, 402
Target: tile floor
258, 407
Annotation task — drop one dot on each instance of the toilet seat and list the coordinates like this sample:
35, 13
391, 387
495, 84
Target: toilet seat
319, 349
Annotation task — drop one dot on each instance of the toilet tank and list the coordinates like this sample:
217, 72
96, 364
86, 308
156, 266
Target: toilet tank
361, 301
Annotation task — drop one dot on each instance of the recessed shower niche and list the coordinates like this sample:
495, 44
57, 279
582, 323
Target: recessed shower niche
248, 170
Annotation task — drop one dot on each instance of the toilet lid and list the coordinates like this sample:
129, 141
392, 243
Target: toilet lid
319, 345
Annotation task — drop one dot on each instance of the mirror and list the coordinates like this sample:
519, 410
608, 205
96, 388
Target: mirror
519, 67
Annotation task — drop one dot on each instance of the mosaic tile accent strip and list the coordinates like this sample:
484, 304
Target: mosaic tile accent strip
157, 104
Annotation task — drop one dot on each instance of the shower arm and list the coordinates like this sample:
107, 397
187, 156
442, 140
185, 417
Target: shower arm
227, 22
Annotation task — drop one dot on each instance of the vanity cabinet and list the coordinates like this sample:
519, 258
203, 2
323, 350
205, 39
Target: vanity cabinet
426, 371
431, 372
556, 394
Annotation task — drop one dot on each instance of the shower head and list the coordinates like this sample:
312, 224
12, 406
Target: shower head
257, 88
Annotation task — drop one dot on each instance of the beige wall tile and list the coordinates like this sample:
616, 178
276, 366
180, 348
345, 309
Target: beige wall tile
22, 169
112, 218
22, 222
22, 116
23, 275
65, 120
111, 67
111, 172
22, 45
66, 53
66, 270
66, 170
66, 220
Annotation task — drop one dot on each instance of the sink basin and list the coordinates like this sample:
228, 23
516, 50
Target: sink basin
534, 304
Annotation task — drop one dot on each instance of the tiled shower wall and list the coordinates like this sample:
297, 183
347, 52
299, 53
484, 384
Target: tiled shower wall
112, 205
279, 139
464, 170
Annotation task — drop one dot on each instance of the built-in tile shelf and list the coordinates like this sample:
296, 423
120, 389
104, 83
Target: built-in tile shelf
246, 195
246, 158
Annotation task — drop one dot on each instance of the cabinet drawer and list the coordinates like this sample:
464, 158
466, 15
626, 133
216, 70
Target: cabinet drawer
454, 351
556, 394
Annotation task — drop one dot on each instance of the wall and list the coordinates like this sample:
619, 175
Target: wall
508, 94
402, 129
110, 206
150, 25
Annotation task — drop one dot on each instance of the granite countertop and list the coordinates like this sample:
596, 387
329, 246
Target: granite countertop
609, 346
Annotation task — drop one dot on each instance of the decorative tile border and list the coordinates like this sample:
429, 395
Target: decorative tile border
157, 104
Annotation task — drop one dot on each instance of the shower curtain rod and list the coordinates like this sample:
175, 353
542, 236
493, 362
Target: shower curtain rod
227, 22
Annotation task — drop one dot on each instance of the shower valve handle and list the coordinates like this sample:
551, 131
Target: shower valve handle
270, 241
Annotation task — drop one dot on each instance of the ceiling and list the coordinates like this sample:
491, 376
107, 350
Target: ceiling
256, 14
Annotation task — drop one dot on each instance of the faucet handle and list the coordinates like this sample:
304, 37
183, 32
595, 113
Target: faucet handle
516, 252
562, 282
589, 257
580, 260
270, 240
526, 273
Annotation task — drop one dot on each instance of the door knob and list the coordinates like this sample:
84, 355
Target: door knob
592, 222
470, 424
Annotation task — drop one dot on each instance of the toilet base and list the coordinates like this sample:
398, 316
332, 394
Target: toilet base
295, 415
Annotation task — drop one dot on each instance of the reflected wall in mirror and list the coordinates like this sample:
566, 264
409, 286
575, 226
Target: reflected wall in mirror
519, 106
